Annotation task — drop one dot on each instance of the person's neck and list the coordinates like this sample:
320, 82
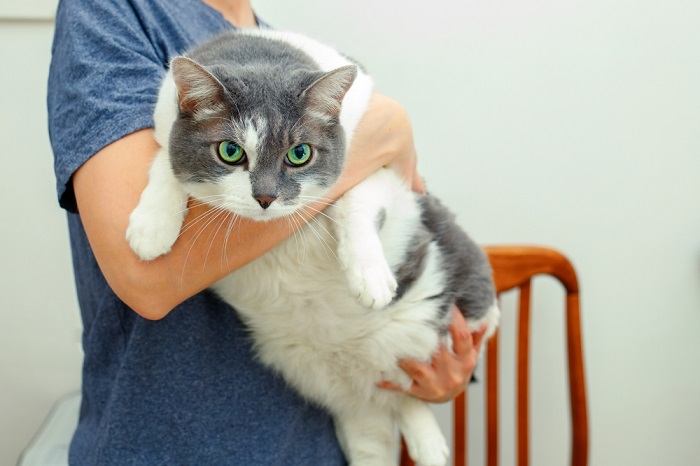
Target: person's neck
237, 12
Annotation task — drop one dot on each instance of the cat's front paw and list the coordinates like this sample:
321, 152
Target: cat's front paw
374, 285
152, 233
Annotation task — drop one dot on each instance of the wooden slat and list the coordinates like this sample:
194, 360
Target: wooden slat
405, 458
460, 429
492, 401
523, 388
577, 386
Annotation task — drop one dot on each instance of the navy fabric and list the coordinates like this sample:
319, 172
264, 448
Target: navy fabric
187, 389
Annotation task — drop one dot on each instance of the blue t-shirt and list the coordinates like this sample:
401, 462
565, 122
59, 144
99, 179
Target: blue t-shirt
185, 390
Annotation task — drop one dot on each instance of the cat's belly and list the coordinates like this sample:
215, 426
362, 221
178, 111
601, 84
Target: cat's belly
306, 324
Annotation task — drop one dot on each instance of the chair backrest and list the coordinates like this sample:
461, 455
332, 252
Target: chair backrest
514, 267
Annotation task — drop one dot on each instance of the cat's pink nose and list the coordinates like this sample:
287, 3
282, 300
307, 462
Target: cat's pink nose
265, 200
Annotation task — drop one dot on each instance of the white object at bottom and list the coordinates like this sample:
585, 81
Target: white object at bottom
49, 447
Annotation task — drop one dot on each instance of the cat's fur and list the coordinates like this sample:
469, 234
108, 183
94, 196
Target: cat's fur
365, 284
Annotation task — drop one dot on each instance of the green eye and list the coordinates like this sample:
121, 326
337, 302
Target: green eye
299, 155
231, 153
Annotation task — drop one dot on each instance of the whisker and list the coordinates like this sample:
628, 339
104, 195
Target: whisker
224, 251
312, 200
318, 224
298, 229
312, 225
197, 203
302, 232
317, 198
319, 237
211, 241
194, 241
321, 213
292, 230
325, 242
198, 219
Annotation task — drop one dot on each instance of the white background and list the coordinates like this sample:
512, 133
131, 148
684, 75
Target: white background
27, 9
560, 122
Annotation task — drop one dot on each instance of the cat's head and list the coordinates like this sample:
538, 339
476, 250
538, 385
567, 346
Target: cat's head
257, 143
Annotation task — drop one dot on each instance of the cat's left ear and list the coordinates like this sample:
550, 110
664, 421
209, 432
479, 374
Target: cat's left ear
198, 90
326, 93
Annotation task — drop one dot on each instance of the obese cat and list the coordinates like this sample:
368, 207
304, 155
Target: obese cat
257, 123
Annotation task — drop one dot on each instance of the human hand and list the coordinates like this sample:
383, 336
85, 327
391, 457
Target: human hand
383, 138
447, 374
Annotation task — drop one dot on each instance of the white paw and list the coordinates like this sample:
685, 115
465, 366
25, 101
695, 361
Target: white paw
151, 233
428, 450
374, 285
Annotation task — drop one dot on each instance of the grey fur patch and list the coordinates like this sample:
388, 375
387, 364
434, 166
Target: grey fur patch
381, 219
469, 274
414, 264
468, 283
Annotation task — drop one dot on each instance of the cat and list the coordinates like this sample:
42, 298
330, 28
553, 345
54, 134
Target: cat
260, 121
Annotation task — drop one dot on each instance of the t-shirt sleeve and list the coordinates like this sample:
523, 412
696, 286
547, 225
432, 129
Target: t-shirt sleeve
103, 83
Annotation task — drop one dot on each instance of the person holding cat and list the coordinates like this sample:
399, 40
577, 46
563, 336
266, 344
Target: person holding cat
169, 376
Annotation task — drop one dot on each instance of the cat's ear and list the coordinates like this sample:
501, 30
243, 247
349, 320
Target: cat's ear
326, 93
198, 90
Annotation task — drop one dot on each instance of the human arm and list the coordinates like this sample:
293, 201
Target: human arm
107, 188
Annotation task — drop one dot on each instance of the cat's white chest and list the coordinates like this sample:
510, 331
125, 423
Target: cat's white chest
297, 292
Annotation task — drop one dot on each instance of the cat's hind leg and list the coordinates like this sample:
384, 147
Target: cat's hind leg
155, 223
367, 437
425, 442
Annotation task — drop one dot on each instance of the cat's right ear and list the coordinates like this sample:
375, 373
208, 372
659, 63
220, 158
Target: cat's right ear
199, 92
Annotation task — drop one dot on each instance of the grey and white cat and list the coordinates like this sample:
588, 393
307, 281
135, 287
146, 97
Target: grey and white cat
257, 123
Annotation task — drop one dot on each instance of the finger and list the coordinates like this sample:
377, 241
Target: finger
457, 318
386, 385
419, 392
416, 370
449, 369
418, 185
431, 394
441, 359
461, 337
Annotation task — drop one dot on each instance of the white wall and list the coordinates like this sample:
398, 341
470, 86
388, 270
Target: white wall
561, 122
32, 11
40, 354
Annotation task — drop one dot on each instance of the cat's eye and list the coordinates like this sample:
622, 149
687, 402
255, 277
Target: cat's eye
231, 153
299, 155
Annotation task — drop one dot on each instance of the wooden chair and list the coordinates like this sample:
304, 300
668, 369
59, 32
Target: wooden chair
514, 267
